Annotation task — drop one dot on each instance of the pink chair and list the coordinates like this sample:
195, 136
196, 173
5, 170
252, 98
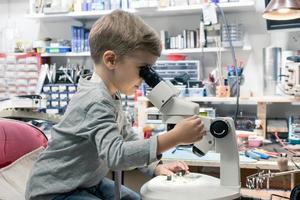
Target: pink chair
17, 139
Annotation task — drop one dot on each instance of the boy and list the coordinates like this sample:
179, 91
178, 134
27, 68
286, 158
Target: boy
93, 136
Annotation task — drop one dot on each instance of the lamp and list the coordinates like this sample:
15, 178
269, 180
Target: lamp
282, 10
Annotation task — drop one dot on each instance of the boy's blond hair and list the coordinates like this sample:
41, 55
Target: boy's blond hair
123, 33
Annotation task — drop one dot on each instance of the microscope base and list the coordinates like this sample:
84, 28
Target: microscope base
193, 186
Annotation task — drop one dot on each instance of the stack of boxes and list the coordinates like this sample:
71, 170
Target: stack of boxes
80, 39
170, 69
58, 96
236, 35
19, 74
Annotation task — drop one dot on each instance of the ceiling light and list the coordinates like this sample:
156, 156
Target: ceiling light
282, 10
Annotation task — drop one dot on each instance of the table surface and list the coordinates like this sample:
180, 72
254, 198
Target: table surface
263, 193
212, 159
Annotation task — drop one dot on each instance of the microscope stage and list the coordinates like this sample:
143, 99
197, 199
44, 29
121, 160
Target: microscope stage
193, 186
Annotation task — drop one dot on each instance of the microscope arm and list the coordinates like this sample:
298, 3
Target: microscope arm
221, 133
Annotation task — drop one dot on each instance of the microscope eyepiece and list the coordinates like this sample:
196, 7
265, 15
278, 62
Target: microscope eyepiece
150, 76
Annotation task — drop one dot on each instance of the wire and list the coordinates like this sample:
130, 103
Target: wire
233, 59
283, 145
297, 166
219, 60
277, 195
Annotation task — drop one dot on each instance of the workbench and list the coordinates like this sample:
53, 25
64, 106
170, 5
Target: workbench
210, 163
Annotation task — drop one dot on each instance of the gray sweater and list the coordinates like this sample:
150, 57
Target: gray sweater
92, 138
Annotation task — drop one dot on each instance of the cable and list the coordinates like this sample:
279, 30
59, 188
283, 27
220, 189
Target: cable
283, 145
296, 165
233, 59
219, 62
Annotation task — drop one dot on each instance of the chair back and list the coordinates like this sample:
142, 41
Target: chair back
17, 139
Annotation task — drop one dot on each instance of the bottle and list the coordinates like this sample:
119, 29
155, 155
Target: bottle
258, 128
202, 40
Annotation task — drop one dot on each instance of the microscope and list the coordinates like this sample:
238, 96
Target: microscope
219, 132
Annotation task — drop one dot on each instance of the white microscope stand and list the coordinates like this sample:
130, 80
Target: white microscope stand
199, 186
196, 186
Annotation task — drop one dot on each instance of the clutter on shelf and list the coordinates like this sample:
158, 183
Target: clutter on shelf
19, 74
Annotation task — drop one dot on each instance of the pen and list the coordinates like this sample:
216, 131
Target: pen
261, 154
252, 155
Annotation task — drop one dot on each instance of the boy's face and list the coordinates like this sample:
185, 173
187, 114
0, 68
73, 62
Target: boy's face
126, 73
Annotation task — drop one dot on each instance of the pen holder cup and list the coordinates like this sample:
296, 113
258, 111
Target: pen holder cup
232, 82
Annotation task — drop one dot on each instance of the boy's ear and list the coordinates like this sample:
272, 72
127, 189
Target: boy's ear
109, 59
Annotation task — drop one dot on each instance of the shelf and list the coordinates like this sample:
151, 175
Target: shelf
278, 99
244, 5
203, 50
250, 100
164, 52
83, 15
69, 54
222, 100
244, 101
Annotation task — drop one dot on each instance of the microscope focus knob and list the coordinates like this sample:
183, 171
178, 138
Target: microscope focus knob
219, 128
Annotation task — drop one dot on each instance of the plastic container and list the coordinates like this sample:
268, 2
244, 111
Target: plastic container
58, 49
182, 89
196, 92
254, 141
176, 57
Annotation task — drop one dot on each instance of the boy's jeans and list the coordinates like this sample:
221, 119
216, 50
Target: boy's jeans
105, 190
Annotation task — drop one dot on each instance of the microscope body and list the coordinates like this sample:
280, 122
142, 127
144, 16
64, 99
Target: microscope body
219, 133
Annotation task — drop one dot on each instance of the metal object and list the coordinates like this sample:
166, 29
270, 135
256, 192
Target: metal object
271, 66
117, 184
256, 180
180, 173
169, 178
290, 83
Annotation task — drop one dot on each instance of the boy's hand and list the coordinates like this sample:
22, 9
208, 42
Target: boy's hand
171, 168
189, 130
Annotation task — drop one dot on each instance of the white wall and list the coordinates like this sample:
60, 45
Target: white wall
255, 29
13, 17
3, 17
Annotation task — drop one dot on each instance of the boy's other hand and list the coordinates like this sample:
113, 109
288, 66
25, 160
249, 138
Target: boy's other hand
189, 130
171, 168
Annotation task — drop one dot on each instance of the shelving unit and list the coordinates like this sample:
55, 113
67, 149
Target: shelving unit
245, 5
229, 7
164, 52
